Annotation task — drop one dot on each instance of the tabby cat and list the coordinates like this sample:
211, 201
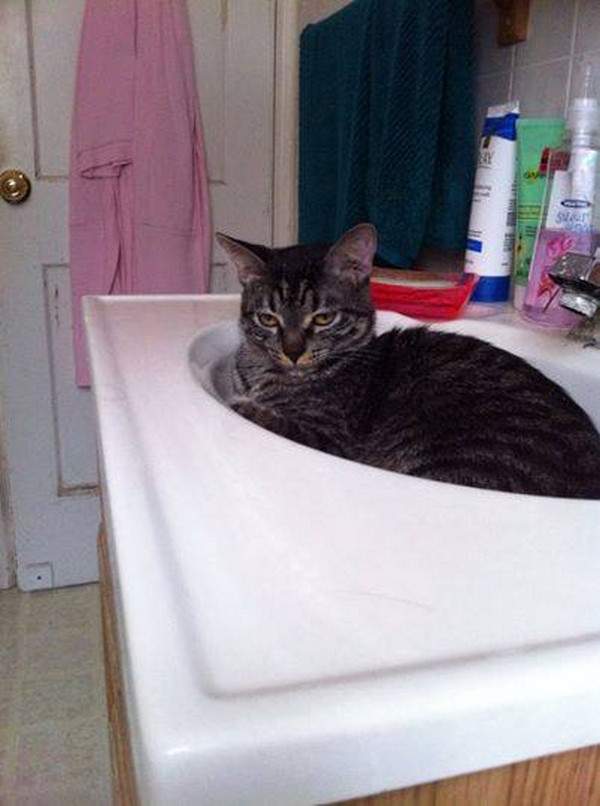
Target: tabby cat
436, 405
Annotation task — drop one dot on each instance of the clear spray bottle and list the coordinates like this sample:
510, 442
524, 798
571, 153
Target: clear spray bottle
570, 220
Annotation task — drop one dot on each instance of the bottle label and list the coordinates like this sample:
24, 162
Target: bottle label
572, 196
491, 233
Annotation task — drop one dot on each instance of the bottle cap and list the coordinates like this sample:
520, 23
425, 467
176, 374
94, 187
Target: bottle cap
584, 111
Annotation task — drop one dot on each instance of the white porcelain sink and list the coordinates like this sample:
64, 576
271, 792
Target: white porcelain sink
297, 628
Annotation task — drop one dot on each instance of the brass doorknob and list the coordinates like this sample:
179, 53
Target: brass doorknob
15, 186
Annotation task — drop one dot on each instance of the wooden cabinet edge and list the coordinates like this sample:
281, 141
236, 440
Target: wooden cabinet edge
122, 770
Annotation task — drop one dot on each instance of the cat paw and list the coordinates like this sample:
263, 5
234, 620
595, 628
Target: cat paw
246, 408
260, 415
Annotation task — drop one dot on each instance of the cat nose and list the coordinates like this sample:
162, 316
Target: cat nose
293, 345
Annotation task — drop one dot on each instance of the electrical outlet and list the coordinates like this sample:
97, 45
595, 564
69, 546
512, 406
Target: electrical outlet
36, 576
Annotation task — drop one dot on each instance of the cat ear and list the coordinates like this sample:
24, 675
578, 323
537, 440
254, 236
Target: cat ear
249, 266
352, 256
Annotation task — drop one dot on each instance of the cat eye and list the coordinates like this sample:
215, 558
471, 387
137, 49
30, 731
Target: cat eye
267, 319
324, 319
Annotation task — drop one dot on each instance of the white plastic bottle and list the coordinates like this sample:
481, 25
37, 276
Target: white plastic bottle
491, 234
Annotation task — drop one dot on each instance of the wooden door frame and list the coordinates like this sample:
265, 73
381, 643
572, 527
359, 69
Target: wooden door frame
285, 123
8, 554
10, 46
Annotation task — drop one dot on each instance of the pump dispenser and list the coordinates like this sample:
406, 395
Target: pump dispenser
569, 221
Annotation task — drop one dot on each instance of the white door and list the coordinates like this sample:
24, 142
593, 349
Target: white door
49, 428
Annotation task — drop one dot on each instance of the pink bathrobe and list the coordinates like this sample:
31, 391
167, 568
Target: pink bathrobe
139, 210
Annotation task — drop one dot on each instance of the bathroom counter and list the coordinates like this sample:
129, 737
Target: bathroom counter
294, 628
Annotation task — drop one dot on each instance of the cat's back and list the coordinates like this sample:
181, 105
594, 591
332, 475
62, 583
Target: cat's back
454, 407
452, 368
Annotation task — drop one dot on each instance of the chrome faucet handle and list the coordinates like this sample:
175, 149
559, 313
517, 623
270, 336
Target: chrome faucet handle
579, 278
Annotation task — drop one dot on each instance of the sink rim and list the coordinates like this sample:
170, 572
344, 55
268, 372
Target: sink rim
474, 712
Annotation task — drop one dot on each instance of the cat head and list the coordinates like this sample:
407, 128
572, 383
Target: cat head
304, 305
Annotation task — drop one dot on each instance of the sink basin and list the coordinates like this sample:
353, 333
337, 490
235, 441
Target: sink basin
297, 628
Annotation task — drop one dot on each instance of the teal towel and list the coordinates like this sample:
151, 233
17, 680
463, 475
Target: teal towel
387, 124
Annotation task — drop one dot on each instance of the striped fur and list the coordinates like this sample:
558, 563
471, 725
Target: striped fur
436, 405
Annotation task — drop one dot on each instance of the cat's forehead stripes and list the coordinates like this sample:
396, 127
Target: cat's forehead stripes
292, 295
275, 299
308, 297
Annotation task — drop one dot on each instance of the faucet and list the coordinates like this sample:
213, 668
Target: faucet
578, 277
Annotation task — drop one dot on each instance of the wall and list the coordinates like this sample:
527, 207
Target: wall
543, 71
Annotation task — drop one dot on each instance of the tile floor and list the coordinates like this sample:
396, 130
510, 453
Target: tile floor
53, 729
